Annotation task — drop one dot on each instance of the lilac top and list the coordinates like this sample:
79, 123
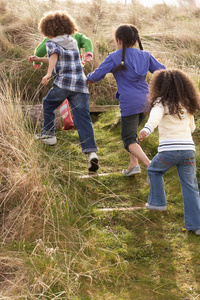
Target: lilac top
132, 87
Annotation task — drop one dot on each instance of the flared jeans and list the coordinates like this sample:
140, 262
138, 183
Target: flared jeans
185, 162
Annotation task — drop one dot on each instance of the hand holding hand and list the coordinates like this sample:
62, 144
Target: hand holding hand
142, 135
88, 57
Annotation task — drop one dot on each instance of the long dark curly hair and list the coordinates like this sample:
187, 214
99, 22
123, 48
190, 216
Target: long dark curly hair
175, 89
129, 35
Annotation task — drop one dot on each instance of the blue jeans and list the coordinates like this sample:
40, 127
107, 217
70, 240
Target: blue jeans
185, 162
80, 107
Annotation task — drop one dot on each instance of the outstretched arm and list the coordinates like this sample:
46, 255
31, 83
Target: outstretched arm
40, 51
104, 68
155, 117
52, 62
38, 59
86, 44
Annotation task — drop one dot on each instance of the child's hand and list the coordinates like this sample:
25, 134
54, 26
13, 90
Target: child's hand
142, 135
45, 79
88, 57
34, 58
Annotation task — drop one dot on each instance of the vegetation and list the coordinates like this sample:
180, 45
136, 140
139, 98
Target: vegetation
66, 236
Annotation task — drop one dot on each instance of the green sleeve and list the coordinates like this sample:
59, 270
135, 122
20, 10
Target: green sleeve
41, 50
83, 42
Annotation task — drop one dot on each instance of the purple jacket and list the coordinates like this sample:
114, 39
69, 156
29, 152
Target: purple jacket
132, 88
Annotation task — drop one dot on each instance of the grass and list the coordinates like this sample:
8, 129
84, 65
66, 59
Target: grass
57, 239
78, 251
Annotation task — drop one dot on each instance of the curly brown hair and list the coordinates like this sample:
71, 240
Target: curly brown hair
175, 90
57, 23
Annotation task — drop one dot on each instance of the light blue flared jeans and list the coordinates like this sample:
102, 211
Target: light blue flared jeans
185, 162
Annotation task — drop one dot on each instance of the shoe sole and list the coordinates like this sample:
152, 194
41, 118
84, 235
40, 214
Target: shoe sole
128, 173
94, 165
156, 208
46, 142
49, 141
131, 174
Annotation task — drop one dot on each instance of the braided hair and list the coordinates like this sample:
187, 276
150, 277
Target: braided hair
129, 35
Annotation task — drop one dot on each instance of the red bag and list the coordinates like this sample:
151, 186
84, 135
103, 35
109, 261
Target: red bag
67, 116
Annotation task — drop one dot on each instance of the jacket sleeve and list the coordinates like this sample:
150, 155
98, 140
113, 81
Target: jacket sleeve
192, 124
83, 42
41, 50
154, 64
155, 117
104, 68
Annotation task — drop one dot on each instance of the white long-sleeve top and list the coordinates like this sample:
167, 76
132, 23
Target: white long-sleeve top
174, 133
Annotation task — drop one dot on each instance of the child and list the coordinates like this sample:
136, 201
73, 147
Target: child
69, 82
174, 101
83, 43
129, 67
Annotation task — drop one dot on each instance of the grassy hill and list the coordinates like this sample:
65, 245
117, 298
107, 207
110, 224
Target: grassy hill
64, 236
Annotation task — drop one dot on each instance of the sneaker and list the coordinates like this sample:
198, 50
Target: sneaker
46, 139
197, 232
93, 162
133, 171
152, 207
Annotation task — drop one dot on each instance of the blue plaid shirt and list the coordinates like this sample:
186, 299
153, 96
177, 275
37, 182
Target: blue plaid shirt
68, 72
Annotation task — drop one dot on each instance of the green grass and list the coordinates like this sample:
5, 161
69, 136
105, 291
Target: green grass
57, 241
94, 254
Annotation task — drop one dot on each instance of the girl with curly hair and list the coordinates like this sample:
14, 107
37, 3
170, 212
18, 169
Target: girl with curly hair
174, 100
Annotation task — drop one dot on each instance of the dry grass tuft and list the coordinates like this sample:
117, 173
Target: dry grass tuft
22, 193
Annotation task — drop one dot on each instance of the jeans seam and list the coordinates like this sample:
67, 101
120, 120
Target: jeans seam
164, 162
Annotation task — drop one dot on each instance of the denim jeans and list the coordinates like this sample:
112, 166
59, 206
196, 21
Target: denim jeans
80, 107
185, 162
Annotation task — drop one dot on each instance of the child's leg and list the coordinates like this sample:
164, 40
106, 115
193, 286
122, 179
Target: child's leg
54, 98
158, 167
190, 191
136, 153
129, 127
82, 121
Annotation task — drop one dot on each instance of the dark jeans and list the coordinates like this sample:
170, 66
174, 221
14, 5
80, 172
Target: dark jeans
129, 128
80, 107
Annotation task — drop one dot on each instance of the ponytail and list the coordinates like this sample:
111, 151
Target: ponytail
129, 35
122, 66
139, 43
